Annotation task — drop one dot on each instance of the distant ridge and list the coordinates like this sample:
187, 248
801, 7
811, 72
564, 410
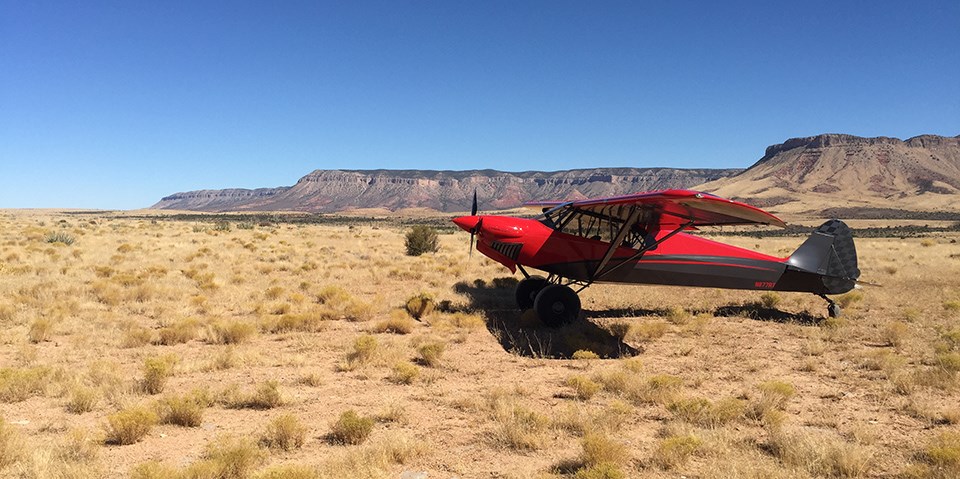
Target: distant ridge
445, 191
825, 171
801, 175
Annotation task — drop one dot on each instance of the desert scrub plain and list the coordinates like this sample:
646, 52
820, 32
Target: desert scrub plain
142, 348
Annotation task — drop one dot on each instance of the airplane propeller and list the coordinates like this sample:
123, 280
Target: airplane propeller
473, 212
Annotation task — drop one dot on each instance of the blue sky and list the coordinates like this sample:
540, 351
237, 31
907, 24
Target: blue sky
116, 104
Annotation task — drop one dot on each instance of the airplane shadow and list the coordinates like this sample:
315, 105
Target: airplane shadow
759, 312
523, 334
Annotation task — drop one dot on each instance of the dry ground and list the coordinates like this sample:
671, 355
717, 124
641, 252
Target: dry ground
225, 330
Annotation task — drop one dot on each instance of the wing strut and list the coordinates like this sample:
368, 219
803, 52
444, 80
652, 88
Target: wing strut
617, 241
641, 252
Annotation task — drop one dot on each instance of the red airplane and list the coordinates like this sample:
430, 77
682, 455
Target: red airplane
640, 238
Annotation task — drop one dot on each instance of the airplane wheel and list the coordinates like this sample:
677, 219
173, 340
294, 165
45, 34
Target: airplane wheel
556, 305
527, 290
834, 310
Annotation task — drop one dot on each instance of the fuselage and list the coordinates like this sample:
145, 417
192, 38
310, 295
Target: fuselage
682, 259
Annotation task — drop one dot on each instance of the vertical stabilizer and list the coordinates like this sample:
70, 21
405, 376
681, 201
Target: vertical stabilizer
830, 253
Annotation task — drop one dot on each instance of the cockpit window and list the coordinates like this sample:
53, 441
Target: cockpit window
602, 226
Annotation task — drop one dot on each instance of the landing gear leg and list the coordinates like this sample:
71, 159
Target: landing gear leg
557, 305
833, 309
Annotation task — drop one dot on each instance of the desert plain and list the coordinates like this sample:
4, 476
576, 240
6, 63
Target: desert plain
136, 346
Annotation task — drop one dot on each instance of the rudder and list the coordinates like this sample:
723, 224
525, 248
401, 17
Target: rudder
830, 253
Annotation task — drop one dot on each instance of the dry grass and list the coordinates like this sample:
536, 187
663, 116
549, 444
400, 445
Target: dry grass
275, 306
11, 445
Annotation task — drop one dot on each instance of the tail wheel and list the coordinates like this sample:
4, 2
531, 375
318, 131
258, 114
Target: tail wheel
528, 289
557, 305
834, 310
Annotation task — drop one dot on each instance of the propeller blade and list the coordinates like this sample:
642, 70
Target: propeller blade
473, 209
471, 244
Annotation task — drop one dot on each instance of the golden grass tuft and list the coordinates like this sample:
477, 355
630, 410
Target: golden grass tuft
351, 428
847, 300
674, 451
129, 425
645, 331
404, 372
518, 427
230, 331
584, 355
705, 413
11, 445
584, 388
81, 399
227, 457
18, 384
288, 471
773, 396
155, 470
40, 330
186, 411
180, 332
266, 396
284, 432
820, 455
943, 452
430, 353
399, 322
156, 371
420, 305
659, 389
598, 448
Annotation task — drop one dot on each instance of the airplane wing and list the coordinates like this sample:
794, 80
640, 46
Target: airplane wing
672, 208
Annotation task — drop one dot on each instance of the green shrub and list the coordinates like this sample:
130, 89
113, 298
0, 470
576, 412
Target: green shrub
351, 428
421, 239
60, 237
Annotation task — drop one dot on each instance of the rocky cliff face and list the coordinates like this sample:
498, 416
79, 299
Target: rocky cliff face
447, 191
920, 173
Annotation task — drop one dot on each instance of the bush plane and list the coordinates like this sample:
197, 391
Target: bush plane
640, 238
